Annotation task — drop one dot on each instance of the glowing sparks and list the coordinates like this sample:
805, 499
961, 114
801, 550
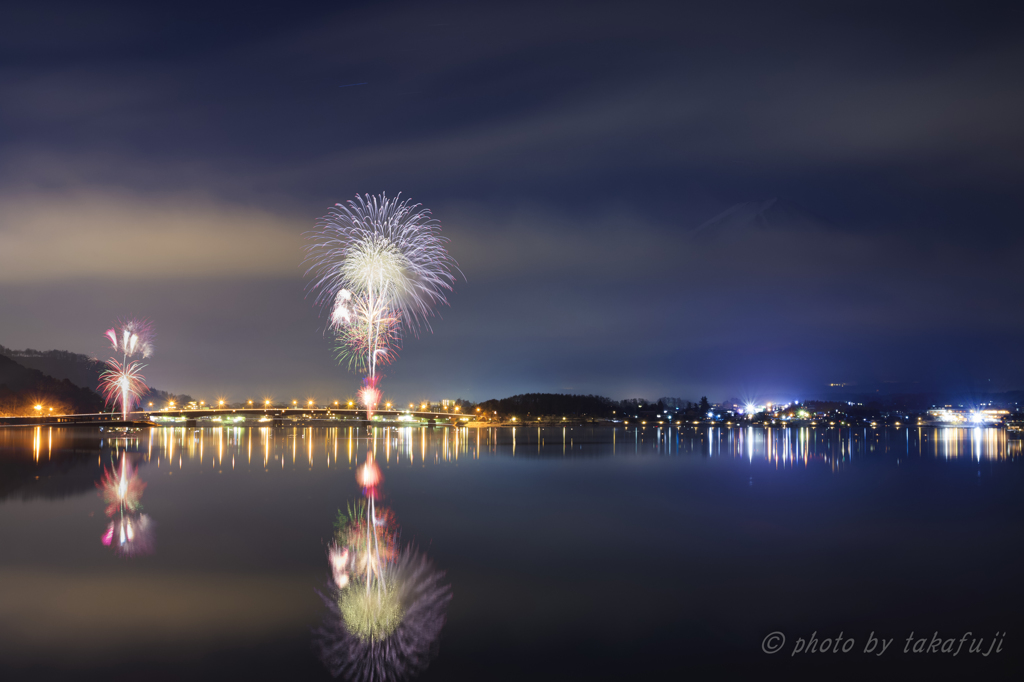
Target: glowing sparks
381, 267
369, 395
131, 337
122, 382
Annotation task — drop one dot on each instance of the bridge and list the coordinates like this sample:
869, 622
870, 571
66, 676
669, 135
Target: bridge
193, 416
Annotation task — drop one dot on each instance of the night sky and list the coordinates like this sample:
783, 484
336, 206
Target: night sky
749, 200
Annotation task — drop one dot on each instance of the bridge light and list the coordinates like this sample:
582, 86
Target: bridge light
335, 402
39, 407
295, 402
350, 403
221, 403
266, 402
202, 402
310, 402
250, 402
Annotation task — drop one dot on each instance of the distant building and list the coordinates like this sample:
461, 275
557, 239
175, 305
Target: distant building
957, 417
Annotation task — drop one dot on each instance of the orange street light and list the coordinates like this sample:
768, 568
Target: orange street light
39, 407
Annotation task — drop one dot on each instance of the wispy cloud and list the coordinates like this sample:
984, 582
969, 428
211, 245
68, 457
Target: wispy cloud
122, 236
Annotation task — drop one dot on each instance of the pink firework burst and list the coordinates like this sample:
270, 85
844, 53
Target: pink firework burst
132, 337
122, 383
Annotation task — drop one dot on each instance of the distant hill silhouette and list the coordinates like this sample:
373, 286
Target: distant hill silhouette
80, 370
22, 387
537, 404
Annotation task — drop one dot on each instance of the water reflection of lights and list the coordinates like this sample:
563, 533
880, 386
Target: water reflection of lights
130, 531
238, 448
385, 606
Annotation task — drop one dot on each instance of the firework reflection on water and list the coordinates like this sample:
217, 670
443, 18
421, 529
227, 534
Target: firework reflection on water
408, 650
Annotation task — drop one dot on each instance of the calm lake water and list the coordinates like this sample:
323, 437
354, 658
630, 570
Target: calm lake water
575, 553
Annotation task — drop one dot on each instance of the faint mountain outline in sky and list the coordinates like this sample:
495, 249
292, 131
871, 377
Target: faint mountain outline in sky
758, 217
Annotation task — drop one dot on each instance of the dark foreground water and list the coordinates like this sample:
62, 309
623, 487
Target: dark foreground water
575, 553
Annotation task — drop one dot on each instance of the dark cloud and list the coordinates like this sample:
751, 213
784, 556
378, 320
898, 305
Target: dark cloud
569, 150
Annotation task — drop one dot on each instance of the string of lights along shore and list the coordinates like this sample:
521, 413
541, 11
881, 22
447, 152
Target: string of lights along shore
379, 267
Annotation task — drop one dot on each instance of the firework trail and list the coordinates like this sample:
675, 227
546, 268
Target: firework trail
122, 382
381, 267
